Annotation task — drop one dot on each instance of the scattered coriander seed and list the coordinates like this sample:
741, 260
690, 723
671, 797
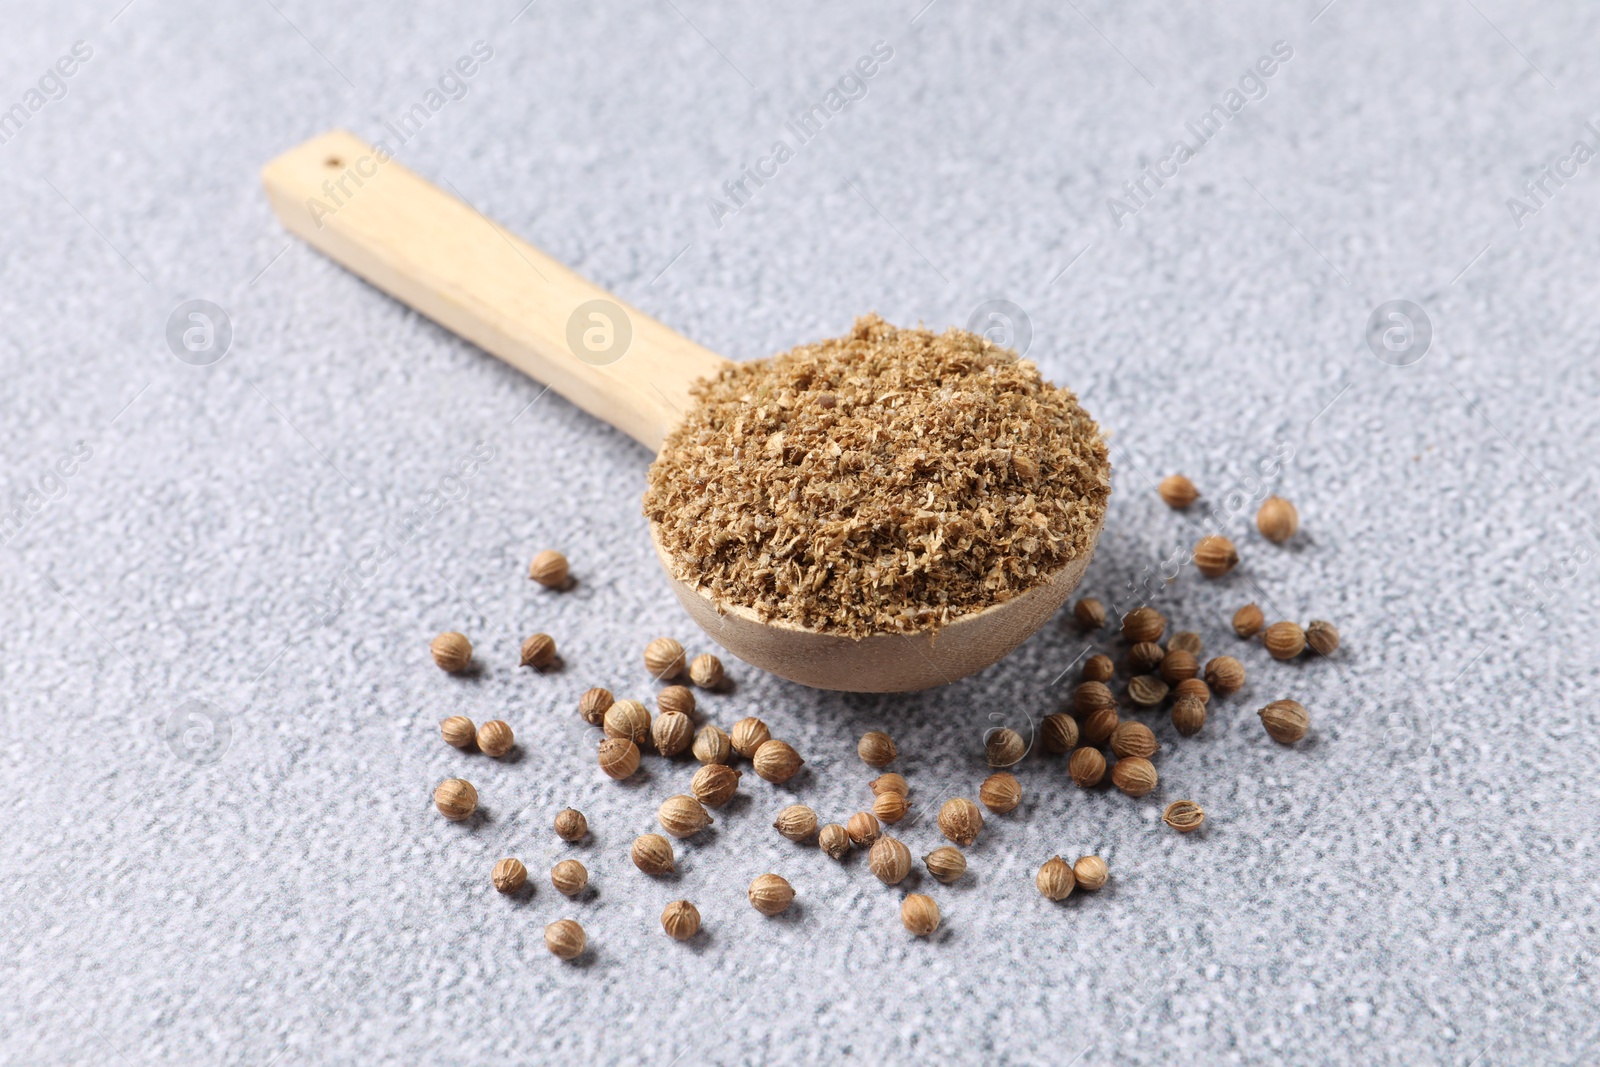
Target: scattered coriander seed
564, 938
663, 658
1133, 739
876, 749
683, 816
1059, 732
890, 807
681, 920
1147, 690
456, 799
1089, 613
1143, 624
672, 733
1188, 715
864, 829
1186, 641
509, 875
1145, 656
1087, 767
1322, 636
1286, 721
1000, 792
889, 860
1098, 668
796, 822
627, 719
749, 735
1277, 519
1055, 879
706, 671
919, 914
777, 761
960, 820
1135, 776
652, 854
946, 863
1004, 747
1178, 665
1215, 556
889, 783
458, 730
771, 894
569, 876
1090, 873
834, 840
539, 651
1284, 640
676, 698
1248, 620
495, 738
594, 704
711, 745
1097, 726
1177, 491
451, 651
619, 757
549, 569
1225, 675
1092, 696
571, 825
714, 784
1184, 816
1193, 687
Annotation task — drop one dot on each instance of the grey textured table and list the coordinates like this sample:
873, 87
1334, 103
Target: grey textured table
1414, 882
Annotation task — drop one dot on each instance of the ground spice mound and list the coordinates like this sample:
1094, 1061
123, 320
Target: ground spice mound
887, 481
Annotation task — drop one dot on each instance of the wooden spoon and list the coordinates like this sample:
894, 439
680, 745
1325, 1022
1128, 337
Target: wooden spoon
429, 250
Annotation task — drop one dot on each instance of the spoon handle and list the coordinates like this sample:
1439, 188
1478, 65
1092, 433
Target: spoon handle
432, 252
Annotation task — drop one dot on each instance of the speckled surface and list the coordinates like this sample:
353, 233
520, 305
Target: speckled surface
1412, 883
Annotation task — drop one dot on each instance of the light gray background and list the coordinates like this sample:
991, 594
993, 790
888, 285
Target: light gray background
1415, 882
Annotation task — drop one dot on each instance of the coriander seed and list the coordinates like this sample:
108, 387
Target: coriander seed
1097, 726
1177, 491
1188, 715
569, 876
864, 829
1184, 816
1135, 776
1143, 624
960, 821
594, 704
619, 757
495, 738
1147, 690
1215, 556
711, 745
1225, 675
663, 658
714, 784
919, 914
571, 825
1098, 668
1090, 873
652, 854
1286, 721
889, 783
749, 735
681, 920
456, 799
771, 894
458, 730
539, 651
1059, 732
1055, 879
1248, 620
876, 749
1178, 665
1087, 767
834, 840
1089, 613
675, 698
1186, 641
627, 719
1322, 636
1133, 739
1193, 687
452, 652
796, 822
889, 860
1091, 697
777, 761
549, 569
890, 807
683, 816
1004, 747
1284, 640
1145, 656
946, 863
564, 938
509, 875
706, 671
672, 733
1277, 519
1000, 792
